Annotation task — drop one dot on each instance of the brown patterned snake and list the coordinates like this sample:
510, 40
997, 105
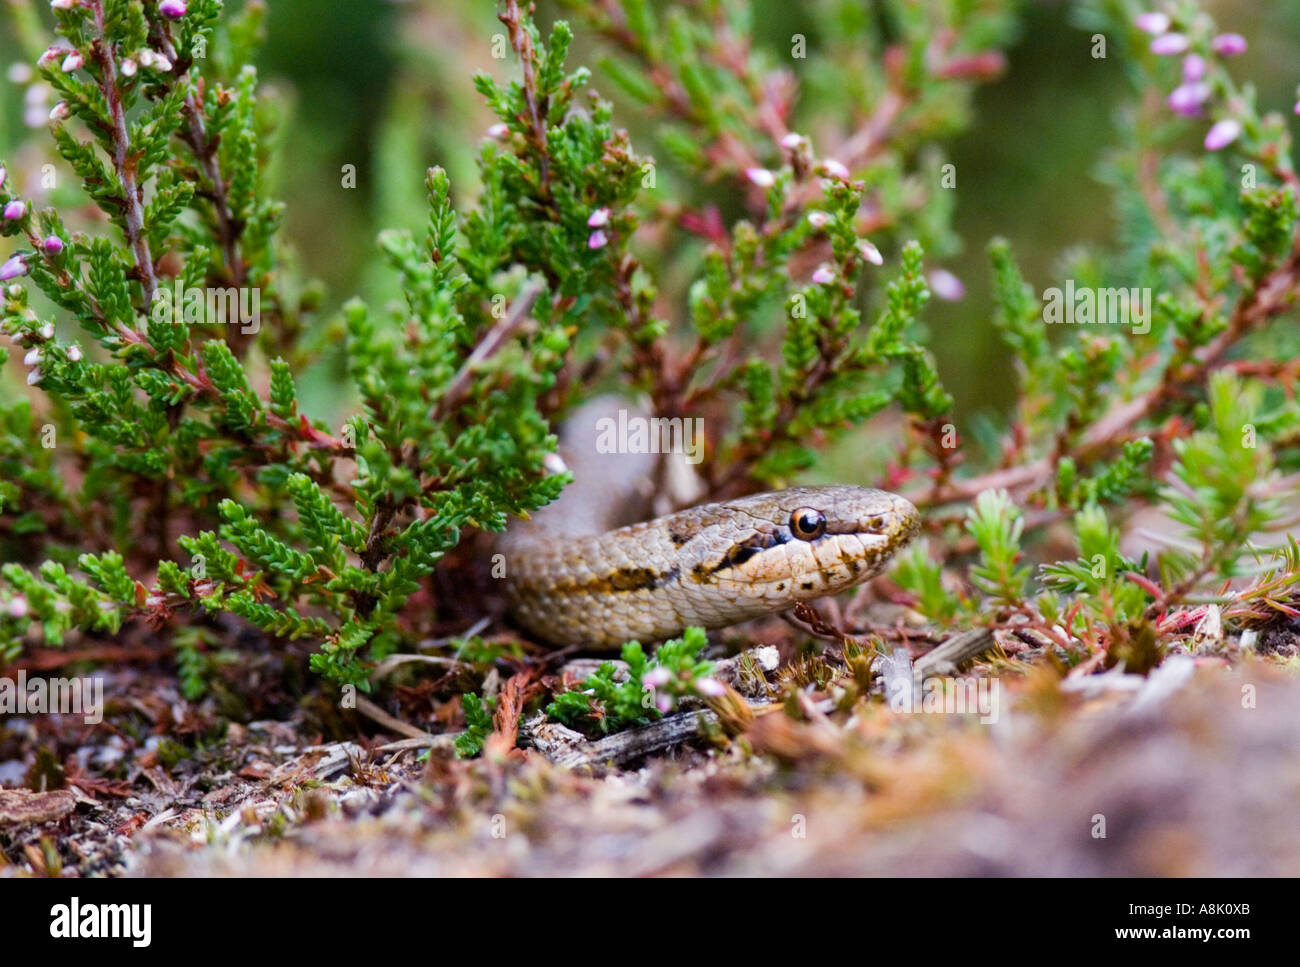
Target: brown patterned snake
573, 576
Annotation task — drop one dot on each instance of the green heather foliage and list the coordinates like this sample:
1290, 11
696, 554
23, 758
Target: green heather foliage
159, 470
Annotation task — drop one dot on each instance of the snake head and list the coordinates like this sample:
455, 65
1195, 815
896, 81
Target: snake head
805, 543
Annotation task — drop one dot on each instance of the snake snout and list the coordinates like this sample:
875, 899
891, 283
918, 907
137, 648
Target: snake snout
898, 519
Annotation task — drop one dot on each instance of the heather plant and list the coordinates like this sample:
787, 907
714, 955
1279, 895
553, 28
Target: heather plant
762, 262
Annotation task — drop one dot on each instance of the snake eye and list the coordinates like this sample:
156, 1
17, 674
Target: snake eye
807, 524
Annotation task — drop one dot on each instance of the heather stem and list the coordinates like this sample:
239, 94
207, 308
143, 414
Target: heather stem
123, 162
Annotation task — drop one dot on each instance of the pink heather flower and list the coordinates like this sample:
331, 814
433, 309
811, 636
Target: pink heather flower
824, 275
818, 219
149, 58
15, 210
1168, 44
498, 130
599, 218
74, 354
597, 240
62, 4
946, 286
172, 9
761, 177
664, 703
13, 269
3, 175
1187, 99
1153, 23
59, 111
73, 62
1222, 134
870, 252
835, 169
1229, 45
1193, 67
53, 53
791, 141
1297, 107
656, 677
710, 687
17, 606
129, 67
53, 245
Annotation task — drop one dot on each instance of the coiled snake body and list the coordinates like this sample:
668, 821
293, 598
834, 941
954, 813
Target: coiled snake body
573, 577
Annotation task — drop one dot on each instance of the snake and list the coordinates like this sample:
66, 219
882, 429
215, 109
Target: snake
578, 572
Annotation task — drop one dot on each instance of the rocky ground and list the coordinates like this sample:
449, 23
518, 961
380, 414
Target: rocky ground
1191, 770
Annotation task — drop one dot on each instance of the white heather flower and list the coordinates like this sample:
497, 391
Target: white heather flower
818, 219
599, 218
62, 4
946, 286
824, 275
3, 175
129, 67
498, 130
34, 377
15, 290
597, 240
74, 354
791, 141
162, 64
664, 703
870, 252
1169, 44
835, 169
1153, 23
33, 357
73, 62
1222, 134
761, 177
17, 606
59, 111
46, 331
19, 73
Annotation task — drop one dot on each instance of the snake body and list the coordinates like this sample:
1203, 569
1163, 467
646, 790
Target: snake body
571, 578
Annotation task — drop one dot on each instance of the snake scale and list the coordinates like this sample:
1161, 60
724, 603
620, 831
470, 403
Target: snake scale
575, 577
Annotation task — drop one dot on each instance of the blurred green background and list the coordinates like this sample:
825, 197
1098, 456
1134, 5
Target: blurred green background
385, 86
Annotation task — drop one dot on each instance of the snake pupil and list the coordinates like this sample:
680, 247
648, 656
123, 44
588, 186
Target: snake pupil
807, 524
